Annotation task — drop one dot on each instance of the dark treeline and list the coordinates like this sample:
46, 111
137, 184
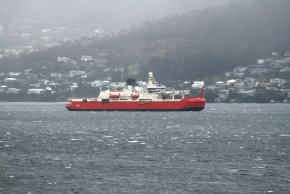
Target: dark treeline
198, 44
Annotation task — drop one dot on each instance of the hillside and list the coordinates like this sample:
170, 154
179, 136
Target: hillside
195, 45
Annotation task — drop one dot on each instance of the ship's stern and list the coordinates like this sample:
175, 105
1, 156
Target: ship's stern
68, 105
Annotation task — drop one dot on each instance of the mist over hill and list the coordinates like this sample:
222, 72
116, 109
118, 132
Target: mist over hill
197, 44
96, 14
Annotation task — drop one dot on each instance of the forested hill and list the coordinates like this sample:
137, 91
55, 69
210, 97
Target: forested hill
194, 45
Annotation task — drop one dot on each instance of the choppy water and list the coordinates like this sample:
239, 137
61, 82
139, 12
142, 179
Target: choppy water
227, 148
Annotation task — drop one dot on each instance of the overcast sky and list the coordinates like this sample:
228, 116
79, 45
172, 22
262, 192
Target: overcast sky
106, 14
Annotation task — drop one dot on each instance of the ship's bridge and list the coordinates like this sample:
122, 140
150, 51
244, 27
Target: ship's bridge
153, 86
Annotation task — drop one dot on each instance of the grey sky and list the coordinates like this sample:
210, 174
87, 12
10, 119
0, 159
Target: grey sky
106, 14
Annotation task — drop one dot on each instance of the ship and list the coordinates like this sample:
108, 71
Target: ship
142, 96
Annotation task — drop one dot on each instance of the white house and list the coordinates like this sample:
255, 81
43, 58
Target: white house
9, 79
220, 83
247, 92
73, 86
260, 61
277, 81
259, 70
98, 83
55, 75
119, 69
35, 91
27, 71
3, 89
198, 84
118, 84
45, 30
251, 82
240, 69
76, 73
63, 59
14, 74
43, 81
84, 76
86, 58
231, 82
49, 90
239, 74
13, 91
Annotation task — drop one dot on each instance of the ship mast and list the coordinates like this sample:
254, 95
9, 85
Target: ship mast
153, 86
151, 80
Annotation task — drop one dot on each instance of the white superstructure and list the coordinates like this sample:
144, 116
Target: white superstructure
148, 91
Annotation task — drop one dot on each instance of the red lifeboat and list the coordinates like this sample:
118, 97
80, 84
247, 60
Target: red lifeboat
135, 95
114, 95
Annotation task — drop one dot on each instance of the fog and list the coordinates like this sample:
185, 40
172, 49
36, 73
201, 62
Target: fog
92, 14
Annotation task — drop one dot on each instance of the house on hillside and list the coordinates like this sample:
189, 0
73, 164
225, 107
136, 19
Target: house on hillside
260, 61
260, 70
220, 84
198, 84
3, 89
14, 74
66, 60
35, 91
238, 84
231, 82
119, 69
240, 71
247, 93
73, 86
86, 58
43, 81
77, 73
55, 75
63, 59
97, 83
251, 82
27, 71
13, 90
9, 79
277, 81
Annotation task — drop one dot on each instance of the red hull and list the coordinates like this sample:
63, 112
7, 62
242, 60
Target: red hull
186, 104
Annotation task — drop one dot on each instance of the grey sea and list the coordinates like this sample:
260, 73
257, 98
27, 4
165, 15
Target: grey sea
227, 148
